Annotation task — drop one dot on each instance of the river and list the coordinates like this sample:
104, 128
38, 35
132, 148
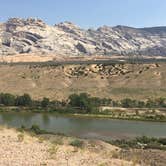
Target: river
105, 129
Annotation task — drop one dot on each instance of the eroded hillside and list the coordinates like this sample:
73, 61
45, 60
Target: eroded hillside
59, 81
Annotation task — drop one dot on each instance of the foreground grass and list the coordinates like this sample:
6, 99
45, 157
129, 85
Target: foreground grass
138, 142
136, 151
45, 148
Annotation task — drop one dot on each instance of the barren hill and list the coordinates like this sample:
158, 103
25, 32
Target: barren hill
110, 81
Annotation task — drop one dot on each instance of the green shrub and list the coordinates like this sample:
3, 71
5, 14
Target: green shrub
77, 143
141, 142
36, 129
162, 141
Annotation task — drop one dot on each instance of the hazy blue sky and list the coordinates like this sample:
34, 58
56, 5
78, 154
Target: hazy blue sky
89, 13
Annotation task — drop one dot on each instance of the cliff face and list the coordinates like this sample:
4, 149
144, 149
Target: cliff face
34, 36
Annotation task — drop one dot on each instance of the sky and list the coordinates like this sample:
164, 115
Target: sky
88, 13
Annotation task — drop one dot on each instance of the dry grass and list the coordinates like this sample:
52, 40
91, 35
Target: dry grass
20, 137
59, 82
53, 150
37, 151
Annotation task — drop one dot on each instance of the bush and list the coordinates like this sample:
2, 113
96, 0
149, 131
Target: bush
77, 143
36, 129
153, 145
162, 141
128, 103
141, 142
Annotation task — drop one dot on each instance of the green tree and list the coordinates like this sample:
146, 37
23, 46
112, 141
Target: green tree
45, 102
7, 99
24, 100
82, 101
128, 103
74, 100
140, 104
151, 103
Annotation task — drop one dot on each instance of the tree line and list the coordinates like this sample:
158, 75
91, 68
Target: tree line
8, 99
83, 102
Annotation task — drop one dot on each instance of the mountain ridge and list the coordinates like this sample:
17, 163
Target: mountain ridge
31, 35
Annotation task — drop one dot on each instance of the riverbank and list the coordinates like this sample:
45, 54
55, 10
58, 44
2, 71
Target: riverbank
24, 148
136, 115
102, 116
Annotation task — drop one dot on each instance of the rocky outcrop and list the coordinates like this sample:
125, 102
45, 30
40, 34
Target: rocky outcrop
33, 35
24, 22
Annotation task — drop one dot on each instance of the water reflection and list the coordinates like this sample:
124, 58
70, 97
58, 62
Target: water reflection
6, 118
46, 119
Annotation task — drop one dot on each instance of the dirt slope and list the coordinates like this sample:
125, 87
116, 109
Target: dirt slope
58, 82
21, 149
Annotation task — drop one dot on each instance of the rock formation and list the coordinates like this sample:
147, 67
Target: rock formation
34, 36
